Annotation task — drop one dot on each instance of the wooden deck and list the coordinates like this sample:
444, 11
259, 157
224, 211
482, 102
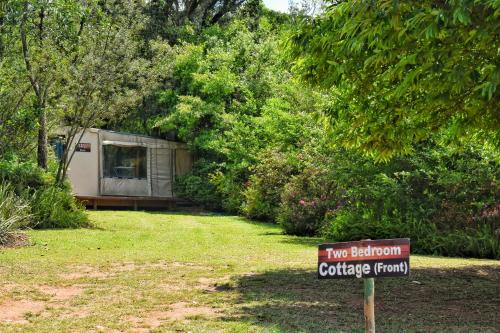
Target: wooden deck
128, 202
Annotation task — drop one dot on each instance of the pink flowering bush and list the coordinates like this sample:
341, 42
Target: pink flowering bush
306, 199
445, 201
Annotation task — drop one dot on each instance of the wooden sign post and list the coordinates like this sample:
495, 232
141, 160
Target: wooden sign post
369, 305
365, 259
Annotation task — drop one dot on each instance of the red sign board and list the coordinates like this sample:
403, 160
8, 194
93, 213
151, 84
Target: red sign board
83, 147
361, 259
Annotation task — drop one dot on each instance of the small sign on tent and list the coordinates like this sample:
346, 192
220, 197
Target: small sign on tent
83, 147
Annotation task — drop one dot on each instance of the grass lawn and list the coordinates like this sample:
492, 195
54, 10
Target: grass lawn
141, 272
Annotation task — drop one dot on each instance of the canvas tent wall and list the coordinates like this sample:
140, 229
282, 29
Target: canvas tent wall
109, 163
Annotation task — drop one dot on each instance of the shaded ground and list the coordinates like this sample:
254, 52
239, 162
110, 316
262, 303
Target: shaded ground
431, 300
151, 272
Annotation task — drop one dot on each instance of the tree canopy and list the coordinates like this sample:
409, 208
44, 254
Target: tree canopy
74, 64
402, 71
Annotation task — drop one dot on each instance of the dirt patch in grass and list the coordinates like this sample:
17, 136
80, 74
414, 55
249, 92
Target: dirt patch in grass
81, 271
124, 266
62, 293
13, 311
17, 311
214, 284
208, 285
148, 322
130, 266
178, 311
8, 287
173, 287
173, 264
183, 310
16, 239
104, 329
86, 271
72, 314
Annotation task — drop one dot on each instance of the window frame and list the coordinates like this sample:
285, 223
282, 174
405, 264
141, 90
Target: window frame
142, 157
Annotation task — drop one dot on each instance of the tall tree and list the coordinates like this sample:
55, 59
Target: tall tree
40, 62
49, 34
81, 60
16, 116
170, 17
106, 76
403, 71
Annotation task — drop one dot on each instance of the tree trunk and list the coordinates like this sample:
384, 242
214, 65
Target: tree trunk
40, 90
42, 138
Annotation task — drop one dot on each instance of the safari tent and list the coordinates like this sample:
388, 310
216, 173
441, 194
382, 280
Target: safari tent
120, 169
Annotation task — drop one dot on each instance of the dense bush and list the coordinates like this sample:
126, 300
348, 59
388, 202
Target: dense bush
14, 212
262, 194
55, 207
196, 186
482, 241
229, 185
443, 200
23, 174
305, 201
49, 206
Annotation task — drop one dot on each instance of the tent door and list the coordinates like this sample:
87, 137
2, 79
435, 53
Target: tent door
161, 172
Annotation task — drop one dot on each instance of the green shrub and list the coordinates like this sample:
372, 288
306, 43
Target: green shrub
230, 189
483, 241
196, 187
443, 200
14, 212
49, 206
55, 207
348, 224
23, 174
262, 194
305, 201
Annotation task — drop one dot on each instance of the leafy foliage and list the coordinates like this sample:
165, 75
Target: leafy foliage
172, 19
55, 207
402, 71
23, 174
14, 212
436, 197
444, 200
230, 98
262, 194
195, 186
33, 188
